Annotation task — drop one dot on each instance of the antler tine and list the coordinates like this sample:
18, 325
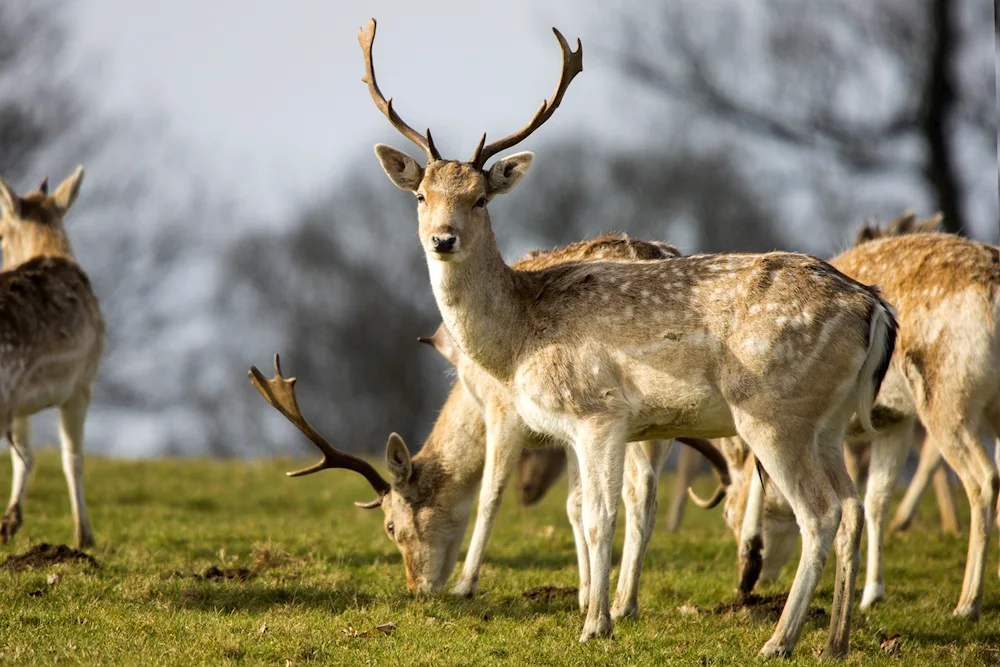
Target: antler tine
571, 66
279, 391
718, 461
366, 38
43, 187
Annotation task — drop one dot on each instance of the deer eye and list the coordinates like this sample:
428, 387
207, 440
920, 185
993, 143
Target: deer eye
480, 203
420, 198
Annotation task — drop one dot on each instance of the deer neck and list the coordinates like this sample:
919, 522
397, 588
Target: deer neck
478, 300
43, 242
457, 443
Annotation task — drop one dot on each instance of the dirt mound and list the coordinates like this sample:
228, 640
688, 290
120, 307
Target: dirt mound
762, 605
549, 593
214, 573
44, 555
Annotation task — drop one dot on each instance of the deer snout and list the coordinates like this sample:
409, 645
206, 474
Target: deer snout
444, 243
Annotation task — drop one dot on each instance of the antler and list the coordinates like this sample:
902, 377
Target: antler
366, 38
280, 393
718, 461
572, 65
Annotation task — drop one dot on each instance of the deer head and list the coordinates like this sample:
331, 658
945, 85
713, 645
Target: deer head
426, 527
452, 196
32, 225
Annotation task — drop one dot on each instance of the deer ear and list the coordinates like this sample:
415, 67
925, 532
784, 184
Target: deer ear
507, 172
397, 459
402, 169
443, 343
9, 200
67, 191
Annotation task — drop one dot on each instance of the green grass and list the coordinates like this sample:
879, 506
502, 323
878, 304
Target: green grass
323, 566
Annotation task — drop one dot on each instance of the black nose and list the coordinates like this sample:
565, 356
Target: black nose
443, 243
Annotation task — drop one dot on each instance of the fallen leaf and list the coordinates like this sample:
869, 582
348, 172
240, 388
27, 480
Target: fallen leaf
387, 628
53, 579
262, 630
688, 610
549, 532
891, 645
289, 663
431, 620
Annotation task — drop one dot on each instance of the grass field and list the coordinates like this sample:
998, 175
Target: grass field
314, 576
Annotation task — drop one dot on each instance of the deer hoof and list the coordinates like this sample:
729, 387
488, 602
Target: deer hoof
596, 628
465, 588
11, 524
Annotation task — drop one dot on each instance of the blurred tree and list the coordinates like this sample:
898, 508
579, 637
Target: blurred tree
345, 306
697, 200
894, 87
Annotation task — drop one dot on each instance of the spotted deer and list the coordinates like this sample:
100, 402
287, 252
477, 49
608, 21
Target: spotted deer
643, 462
428, 498
780, 348
945, 375
51, 339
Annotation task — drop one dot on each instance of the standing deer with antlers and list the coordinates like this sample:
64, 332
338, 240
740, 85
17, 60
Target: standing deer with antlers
780, 348
428, 501
51, 339
945, 374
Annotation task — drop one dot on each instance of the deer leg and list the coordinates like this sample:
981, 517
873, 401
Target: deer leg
72, 415
889, 452
848, 537
643, 463
505, 439
930, 461
963, 452
751, 546
602, 458
574, 510
688, 464
22, 462
791, 461
945, 500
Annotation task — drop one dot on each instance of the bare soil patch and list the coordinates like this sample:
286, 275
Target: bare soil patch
45, 555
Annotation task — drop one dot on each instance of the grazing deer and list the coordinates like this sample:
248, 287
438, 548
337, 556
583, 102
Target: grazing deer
428, 501
780, 348
51, 339
945, 375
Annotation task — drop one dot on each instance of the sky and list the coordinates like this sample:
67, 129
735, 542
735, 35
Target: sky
268, 95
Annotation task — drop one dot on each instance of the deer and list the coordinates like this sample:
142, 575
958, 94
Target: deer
945, 375
428, 497
780, 348
52, 335
503, 421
